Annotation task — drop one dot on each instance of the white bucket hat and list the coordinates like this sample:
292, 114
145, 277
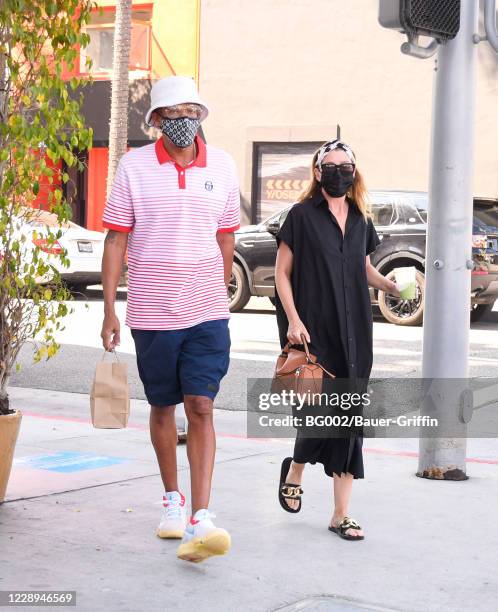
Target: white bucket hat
174, 90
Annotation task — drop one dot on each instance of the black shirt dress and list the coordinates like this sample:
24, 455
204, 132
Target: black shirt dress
331, 296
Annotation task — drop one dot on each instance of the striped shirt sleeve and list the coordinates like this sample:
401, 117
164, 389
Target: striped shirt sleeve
230, 219
118, 213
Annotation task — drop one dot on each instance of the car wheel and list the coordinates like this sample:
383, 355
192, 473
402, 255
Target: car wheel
77, 288
404, 312
478, 311
238, 289
123, 279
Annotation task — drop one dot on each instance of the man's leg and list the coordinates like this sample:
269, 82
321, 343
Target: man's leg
202, 364
157, 355
164, 439
201, 448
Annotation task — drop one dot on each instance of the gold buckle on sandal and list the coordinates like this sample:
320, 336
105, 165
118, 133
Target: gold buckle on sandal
291, 492
349, 523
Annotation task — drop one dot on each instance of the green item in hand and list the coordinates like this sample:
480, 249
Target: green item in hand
407, 290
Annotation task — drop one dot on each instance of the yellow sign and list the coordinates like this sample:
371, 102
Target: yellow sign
285, 189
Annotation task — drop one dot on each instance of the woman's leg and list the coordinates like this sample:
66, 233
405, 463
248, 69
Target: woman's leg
294, 476
343, 485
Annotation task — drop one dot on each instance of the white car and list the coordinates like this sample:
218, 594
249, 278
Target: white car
84, 247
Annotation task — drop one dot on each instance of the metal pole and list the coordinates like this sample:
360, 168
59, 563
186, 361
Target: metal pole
449, 234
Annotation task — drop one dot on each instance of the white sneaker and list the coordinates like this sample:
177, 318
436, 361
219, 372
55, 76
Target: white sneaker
174, 518
202, 539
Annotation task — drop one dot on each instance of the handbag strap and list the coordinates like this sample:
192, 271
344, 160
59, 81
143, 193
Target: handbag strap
288, 346
325, 370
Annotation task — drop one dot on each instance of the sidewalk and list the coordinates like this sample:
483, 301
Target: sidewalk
80, 515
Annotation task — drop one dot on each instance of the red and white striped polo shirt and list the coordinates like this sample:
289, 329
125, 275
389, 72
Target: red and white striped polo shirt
175, 266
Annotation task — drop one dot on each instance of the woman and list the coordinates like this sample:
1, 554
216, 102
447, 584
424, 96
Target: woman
322, 275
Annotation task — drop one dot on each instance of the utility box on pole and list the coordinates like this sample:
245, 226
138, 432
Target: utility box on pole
453, 27
439, 19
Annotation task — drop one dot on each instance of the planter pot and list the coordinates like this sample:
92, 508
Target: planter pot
9, 429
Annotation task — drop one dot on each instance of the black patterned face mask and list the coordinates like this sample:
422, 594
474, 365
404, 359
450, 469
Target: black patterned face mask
180, 131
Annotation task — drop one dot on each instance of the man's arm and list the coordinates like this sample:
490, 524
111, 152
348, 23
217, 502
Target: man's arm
112, 264
226, 242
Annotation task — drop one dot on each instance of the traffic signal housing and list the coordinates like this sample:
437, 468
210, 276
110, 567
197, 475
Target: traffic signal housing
439, 19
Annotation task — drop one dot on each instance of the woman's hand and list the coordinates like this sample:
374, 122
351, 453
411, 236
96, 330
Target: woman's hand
392, 289
296, 328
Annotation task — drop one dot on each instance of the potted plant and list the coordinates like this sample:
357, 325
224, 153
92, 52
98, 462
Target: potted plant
41, 132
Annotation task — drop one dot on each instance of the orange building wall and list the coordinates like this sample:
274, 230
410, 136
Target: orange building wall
174, 50
46, 187
96, 189
175, 38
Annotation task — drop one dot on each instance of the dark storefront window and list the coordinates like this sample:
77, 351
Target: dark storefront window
281, 171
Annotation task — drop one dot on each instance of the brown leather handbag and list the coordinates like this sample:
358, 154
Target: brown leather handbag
298, 371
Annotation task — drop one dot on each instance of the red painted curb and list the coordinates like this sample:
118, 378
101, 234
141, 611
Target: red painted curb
378, 451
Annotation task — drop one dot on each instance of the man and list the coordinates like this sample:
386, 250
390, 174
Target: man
175, 205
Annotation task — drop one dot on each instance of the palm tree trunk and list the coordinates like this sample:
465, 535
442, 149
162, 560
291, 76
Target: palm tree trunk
4, 84
118, 129
4, 340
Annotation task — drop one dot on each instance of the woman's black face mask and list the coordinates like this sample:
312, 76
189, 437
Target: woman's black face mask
337, 179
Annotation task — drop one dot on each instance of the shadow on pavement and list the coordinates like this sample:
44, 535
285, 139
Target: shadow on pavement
489, 321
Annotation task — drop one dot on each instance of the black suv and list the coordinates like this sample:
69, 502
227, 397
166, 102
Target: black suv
400, 219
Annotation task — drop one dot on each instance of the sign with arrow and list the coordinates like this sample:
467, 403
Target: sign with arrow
282, 174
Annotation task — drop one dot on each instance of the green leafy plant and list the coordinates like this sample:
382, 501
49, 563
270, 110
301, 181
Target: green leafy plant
39, 119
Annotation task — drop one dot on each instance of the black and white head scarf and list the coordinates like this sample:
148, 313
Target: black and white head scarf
330, 146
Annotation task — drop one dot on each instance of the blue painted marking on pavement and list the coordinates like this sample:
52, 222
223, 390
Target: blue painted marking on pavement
67, 461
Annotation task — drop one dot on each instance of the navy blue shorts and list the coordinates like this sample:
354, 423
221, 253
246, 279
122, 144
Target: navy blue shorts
178, 362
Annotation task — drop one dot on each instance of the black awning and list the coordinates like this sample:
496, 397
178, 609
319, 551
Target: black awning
96, 109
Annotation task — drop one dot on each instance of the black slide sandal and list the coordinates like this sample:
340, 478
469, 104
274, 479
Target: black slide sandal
287, 490
344, 525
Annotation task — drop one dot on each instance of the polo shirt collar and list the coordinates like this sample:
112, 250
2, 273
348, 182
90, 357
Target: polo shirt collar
163, 156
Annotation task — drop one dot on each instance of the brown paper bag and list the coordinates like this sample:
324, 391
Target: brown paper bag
110, 395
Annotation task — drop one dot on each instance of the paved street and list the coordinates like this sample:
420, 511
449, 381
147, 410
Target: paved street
397, 350
83, 500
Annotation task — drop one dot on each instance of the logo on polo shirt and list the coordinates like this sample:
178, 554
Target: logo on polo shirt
208, 186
